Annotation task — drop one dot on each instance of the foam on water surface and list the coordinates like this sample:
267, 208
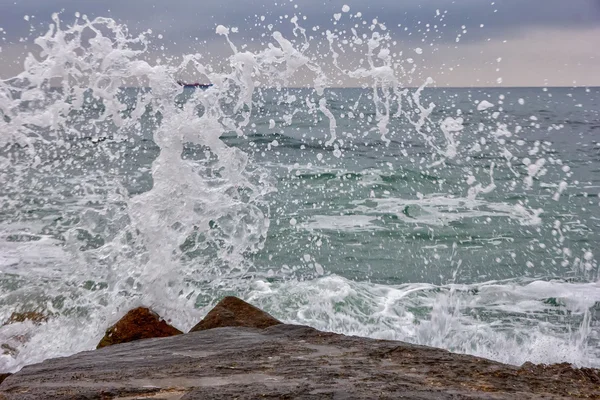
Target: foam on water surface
369, 212
491, 319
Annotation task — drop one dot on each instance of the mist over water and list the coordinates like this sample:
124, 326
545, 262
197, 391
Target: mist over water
463, 219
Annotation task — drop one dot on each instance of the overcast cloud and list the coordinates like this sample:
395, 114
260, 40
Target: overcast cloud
539, 42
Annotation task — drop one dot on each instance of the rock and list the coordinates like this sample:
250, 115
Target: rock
565, 371
139, 323
232, 311
290, 362
33, 316
3, 377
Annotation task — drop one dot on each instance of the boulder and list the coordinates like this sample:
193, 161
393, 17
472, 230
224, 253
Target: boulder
139, 323
232, 311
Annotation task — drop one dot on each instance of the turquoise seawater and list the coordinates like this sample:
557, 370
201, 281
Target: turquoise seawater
474, 228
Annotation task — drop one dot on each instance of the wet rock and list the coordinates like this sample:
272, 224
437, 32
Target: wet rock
289, 362
139, 323
232, 311
33, 316
563, 371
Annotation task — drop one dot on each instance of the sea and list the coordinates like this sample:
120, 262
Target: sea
460, 218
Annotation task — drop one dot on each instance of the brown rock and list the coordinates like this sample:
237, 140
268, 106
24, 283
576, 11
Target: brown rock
139, 323
33, 316
232, 311
290, 362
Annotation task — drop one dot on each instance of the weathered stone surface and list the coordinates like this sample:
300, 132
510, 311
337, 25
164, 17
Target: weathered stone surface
139, 323
288, 362
232, 311
3, 377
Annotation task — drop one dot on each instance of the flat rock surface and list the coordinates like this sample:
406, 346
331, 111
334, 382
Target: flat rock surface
288, 362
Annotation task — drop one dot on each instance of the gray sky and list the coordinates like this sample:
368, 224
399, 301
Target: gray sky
507, 42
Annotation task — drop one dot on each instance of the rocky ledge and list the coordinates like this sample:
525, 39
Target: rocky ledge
240, 352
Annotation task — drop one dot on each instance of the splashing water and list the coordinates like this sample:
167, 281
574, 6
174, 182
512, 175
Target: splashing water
328, 207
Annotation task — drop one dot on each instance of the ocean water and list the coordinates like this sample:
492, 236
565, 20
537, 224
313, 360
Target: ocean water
466, 219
